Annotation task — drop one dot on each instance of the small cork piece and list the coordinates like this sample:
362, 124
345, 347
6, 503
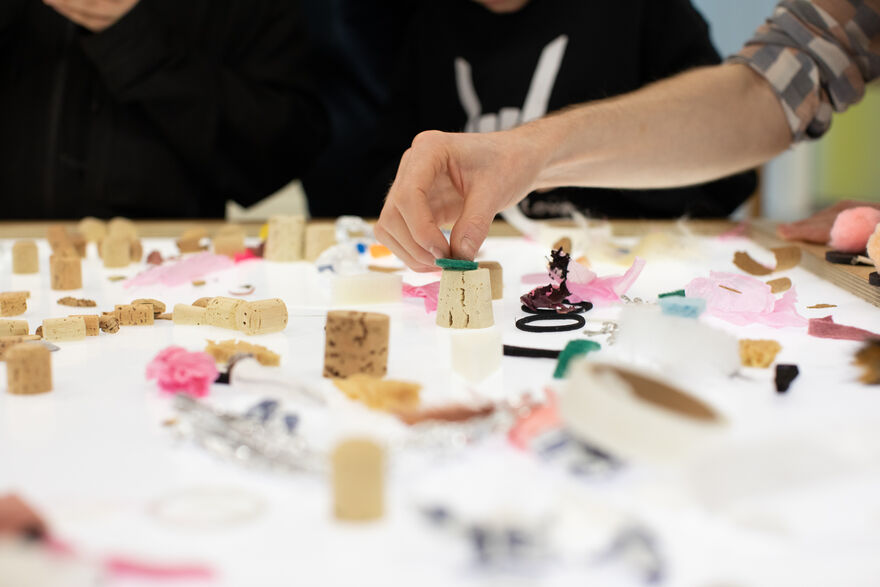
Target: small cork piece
93, 323
358, 480
356, 342
57, 236
465, 299
319, 238
116, 251
28, 369
496, 278
92, 229
285, 240
7, 342
186, 315
14, 327
202, 302
220, 311
108, 324
122, 227
225, 350
60, 329
25, 259
158, 307
134, 314
381, 394
191, 245
229, 244
13, 303
79, 243
261, 317
137, 250
564, 243
758, 353
77, 302
163, 316
66, 272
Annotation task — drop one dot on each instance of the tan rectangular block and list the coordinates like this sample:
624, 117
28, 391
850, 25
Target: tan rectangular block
13, 327
496, 278
123, 227
187, 315
229, 244
358, 480
13, 303
7, 342
28, 369
25, 259
261, 317
220, 311
134, 314
66, 272
285, 240
116, 251
59, 329
92, 321
465, 299
356, 342
319, 238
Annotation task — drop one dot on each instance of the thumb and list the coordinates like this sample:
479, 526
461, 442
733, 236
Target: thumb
472, 226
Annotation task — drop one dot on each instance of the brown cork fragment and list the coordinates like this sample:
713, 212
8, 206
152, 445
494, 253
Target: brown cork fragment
779, 285
821, 306
225, 350
758, 353
380, 394
202, 302
108, 324
92, 321
13, 303
356, 342
77, 302
158, 307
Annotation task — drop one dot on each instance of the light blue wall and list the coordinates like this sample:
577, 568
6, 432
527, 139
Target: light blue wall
733, 21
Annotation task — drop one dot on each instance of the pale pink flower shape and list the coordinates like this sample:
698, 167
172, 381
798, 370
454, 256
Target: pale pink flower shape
178, 370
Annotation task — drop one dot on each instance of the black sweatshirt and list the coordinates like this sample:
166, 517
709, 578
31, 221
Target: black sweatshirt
177, 107
462, 57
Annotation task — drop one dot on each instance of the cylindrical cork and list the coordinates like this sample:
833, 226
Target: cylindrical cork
465, 299
93, 229
58, 329
123, 227
24, 258
220, 311
116, 251
187, 315
261, 317
28, 369
66, 272
13, 327
356, 342
319, 238
284, 242
496, 278
358, 480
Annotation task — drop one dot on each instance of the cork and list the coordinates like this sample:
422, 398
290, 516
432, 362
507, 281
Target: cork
136, 250
229, 244
220, 311
61, 329
758, 353
284, 242
57, 236
496, 278
116, 251
158, 307
465, 299
25, 259
92, 229
13, 327
261, 317
66, 272
319, 238
108, 323
224, 350
356, 342
122, 227
28, 369
13, 303
7, 342
190, 245
92, 321
358, 480
187, 315
134, 314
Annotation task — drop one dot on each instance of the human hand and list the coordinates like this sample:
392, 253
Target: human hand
95, 15
463, 179
17, 518
817, 228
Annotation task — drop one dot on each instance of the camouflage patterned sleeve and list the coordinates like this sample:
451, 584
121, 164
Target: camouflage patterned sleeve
817, 55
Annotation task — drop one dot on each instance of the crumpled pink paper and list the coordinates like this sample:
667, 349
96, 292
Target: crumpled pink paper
586, 286
184, 271
430, 292
754, 304
178, 370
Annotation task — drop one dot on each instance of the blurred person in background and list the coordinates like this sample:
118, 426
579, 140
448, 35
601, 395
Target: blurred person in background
151, 108
491, 65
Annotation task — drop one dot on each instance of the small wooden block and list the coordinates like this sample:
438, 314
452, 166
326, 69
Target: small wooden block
60, 329
116, 251
93, 323
465, 299
286, 238
356, 342
187, 315
13, 303
229, 244
261, 317
134, 314
25, 259
224, 350
319, 238
758, 353
13, 327
7, 342
66, 272
358, 480
496, 278
28, 369
122, 227
92, 229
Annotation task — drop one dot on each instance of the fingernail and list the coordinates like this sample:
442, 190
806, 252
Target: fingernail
466, 247
438, 254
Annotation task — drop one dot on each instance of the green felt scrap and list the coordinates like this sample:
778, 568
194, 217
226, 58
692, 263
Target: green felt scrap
679, 293
457, 264
573, 350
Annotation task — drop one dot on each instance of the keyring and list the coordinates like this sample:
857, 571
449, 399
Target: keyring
576, 321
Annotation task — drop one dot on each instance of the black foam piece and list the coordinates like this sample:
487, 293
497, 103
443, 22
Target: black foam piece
785, 374
521, 351
874, 278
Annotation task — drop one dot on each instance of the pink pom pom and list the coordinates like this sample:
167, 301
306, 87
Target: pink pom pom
853, 228
180, 371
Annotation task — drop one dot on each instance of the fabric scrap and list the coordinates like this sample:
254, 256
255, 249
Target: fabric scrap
672, 294
184, 271
827, 328
752, 302
758, 353
457, 264
572, 350
786, 258
537, 421
785, 374
430, 292
779, 285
